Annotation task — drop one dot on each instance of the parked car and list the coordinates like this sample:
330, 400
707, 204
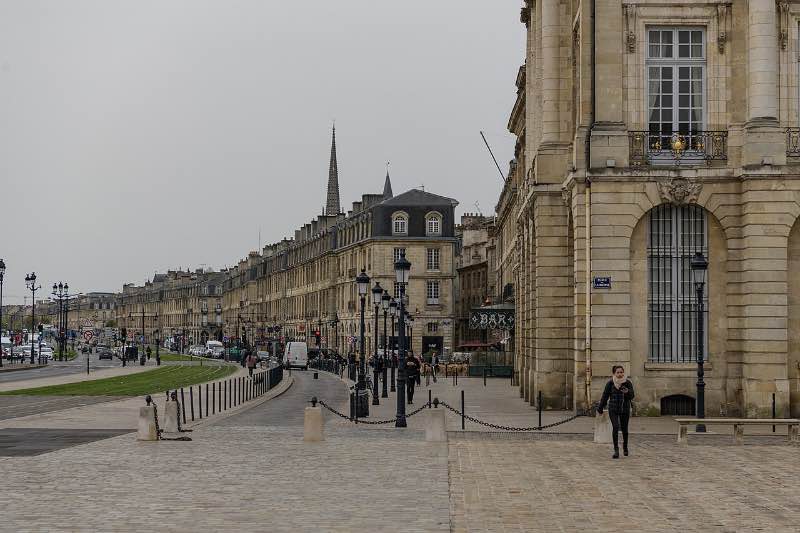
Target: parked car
104, 352
198, 351
262, 355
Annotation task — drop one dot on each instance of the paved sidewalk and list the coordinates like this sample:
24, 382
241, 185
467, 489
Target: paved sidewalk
500, 404
567, 485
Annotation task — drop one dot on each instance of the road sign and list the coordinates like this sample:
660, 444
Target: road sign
87, 335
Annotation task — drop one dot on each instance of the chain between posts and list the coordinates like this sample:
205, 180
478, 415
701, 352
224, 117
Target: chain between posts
504, 428
368, 422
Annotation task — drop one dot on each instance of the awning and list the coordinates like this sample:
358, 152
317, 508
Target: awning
500, 316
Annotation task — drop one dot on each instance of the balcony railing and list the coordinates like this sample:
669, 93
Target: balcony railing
792, 142
677, 149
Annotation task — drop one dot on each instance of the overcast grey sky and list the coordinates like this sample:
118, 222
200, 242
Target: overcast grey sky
137, 136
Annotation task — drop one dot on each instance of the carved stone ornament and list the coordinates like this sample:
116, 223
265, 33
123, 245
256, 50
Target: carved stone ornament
783, 10
722, 27
679, 191
630, 27
566, 196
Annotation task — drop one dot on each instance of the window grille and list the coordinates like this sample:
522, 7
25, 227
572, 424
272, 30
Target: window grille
397, 253
675, 234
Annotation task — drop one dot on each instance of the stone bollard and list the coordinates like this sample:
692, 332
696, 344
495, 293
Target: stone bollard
171, 417
147, 422
435, 426
602, 428
313, 426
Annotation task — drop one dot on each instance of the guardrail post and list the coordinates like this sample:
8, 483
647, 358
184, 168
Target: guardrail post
213, 398
773, 410
539, 406
429, 398
183, 406
463, 410
191, 401
484, 376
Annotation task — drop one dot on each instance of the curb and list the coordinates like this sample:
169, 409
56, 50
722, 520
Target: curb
16, 368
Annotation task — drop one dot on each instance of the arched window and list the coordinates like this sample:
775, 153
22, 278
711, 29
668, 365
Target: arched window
675, 233
433, 224
399, 224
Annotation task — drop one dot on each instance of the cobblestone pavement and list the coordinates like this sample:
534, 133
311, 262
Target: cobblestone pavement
511, 484
247, 478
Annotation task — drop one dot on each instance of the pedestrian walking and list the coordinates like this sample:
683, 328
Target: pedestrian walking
412, 374
618, 395
251, 363
435, 361
148, 351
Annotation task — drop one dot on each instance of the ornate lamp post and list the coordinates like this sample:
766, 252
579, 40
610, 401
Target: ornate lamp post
385, 301
377, 293
699, 267
30, 283
402, 270
362, 282
2, 274
60, 293
393, 314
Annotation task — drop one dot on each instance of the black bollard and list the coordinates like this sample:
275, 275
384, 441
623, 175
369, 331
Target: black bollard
539, 406
462, 410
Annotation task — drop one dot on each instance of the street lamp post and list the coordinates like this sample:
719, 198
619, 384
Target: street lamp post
362, 282
2, 274
402, 270
60, 293
30, 283
385, 299
377, 294
699, 266
393, 314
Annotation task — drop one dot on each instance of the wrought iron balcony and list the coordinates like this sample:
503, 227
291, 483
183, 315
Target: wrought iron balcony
792, 142
677, 149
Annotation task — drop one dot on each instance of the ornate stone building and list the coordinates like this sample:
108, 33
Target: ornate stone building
183, 305
303, 285
648, 132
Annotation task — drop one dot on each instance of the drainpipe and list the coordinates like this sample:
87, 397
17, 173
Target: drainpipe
588, 214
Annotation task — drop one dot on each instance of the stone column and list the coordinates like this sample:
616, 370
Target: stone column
765, 143
554, 293
609, 138
551, 77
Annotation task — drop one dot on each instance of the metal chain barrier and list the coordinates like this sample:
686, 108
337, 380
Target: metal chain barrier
180, 426
368, 422
504, 428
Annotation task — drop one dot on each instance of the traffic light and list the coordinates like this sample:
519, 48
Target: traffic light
41, 329
124, 333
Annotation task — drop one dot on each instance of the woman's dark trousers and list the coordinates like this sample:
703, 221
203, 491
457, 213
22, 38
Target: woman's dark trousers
619, 421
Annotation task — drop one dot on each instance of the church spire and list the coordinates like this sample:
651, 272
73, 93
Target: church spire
387, 185
332, 206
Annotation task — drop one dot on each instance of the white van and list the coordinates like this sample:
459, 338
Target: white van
296, 355
215, 349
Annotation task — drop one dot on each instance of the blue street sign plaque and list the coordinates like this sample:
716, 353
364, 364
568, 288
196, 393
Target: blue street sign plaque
602, 283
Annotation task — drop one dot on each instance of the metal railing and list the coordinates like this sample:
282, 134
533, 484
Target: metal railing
677, 149
792, 142
218, 396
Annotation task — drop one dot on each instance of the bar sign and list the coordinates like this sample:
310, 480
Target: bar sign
602, 283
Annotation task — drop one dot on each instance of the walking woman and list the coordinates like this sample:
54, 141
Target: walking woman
618, 395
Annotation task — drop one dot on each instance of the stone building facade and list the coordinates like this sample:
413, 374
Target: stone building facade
474, 285
185, 306
648, 132
303, 285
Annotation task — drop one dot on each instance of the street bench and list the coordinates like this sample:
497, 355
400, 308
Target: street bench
793, 426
